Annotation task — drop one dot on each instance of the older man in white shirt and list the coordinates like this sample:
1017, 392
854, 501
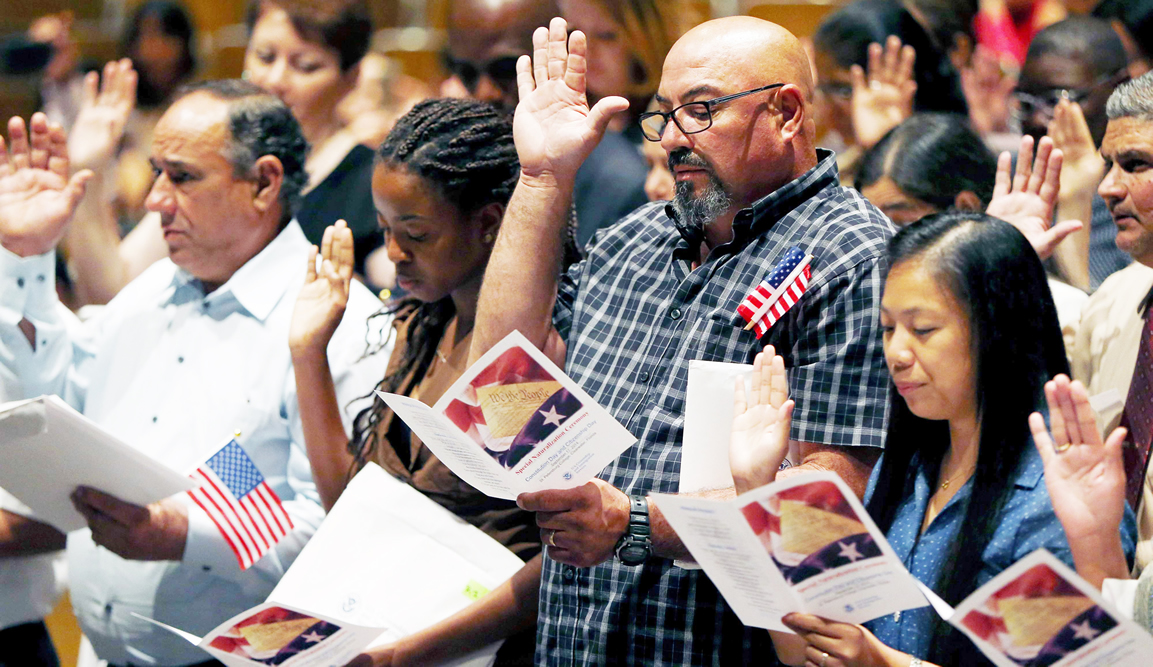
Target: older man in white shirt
189, 355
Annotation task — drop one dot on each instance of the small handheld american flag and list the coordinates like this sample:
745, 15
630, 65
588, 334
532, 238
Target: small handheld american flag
777, 293
241, 504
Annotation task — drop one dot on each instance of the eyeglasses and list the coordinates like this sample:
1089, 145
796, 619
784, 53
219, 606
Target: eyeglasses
501, 70
1044, 102
690, 118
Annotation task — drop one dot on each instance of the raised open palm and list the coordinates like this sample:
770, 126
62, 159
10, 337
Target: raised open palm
759, 441
1026, 199
1085, 476
321, 302
883, 96
37, 197
108, 101
554, 128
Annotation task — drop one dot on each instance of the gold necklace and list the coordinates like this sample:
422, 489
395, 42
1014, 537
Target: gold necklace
946, 483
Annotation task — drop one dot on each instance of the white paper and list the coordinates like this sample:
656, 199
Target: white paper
49, 449
386, 562
1038, 612
751, 551
560, 442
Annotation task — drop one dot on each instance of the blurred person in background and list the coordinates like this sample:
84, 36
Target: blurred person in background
485, 38
1006, 27
875, 66
1133, 21
1071, 68
934, 162
62, 79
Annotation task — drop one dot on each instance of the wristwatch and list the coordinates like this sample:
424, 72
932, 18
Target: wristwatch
635, 545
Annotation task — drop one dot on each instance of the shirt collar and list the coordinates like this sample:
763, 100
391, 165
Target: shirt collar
260, 283
754, 220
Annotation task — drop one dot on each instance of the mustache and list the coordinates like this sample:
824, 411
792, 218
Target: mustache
685, 157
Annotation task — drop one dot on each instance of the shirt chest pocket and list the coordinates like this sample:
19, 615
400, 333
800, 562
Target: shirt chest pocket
718, 334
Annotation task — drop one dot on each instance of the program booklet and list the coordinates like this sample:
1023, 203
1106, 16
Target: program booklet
1039, 613
514, 422
386, 562
802, 544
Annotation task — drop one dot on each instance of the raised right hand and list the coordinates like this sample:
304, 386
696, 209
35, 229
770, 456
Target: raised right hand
321, 302
37, 198
108, 101
554, 128
1026, 198
883, 96
760, 436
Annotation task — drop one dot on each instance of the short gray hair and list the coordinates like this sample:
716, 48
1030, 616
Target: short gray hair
1132, 99
260, 124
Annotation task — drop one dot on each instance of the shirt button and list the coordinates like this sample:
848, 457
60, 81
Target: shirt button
569, 573
154, 420
20, 282
179, 360
675, 313
40, 278
644, 376
108, 609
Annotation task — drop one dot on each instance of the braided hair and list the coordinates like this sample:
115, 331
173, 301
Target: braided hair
464, 149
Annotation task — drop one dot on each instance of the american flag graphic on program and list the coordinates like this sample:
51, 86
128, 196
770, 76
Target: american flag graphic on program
778, 292
241, 504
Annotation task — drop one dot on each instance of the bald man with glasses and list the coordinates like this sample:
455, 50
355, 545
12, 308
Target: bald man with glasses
661, 289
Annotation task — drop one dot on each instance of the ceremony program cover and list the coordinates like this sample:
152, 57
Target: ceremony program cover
803, 544
514, 422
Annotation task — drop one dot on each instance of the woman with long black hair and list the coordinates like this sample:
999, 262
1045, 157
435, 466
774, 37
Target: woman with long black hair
971, 337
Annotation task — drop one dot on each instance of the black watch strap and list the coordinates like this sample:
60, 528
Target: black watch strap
636, 545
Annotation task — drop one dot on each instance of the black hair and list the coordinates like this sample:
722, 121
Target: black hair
464, 149
345, 26
1084, 39
846, 34
932, 157
174, 21
1135, 15
260, 124
945, 19
997, 278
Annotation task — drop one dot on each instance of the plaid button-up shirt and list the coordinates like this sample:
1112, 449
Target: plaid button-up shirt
633, 315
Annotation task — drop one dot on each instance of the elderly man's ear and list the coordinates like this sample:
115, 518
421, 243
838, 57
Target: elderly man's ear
268, 176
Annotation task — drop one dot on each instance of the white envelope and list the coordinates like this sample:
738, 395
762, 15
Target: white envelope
48, 449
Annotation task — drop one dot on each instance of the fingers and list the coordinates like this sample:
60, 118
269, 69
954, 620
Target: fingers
1040, 165
857, 78
343, 251
540, 55
905, 66
524, 80
875, 56
1084, 413
1050, 181
761, 378
780, 381
1068, 412
5, 162
76, 187
90, 90
17, 143
310, 273
40, 140
1041, 439
554, 500
58, 151
1024, 163
1113, 445
557, 48
576, 66
112, 507
1048, 240
1056, 417
740, 405
1003, 182
604, 110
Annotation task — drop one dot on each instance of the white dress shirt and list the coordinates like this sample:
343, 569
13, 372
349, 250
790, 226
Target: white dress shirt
177, 374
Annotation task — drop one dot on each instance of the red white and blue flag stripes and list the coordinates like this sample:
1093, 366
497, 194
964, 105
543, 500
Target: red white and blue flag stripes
244, 508
777, 293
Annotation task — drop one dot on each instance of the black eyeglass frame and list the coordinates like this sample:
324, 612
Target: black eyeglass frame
707, 104
502, 71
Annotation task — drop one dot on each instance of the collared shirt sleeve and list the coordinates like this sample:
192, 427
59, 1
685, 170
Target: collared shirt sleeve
838, 379
28, 291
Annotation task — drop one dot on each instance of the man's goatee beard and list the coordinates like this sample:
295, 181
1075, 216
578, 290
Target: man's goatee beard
698, 210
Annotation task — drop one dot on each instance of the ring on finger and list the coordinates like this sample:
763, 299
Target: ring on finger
824, 658
875, 85
1063, 446
551, 539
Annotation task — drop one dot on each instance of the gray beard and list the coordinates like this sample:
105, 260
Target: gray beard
700, 209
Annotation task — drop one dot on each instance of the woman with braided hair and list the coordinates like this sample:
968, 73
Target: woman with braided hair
442, 179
